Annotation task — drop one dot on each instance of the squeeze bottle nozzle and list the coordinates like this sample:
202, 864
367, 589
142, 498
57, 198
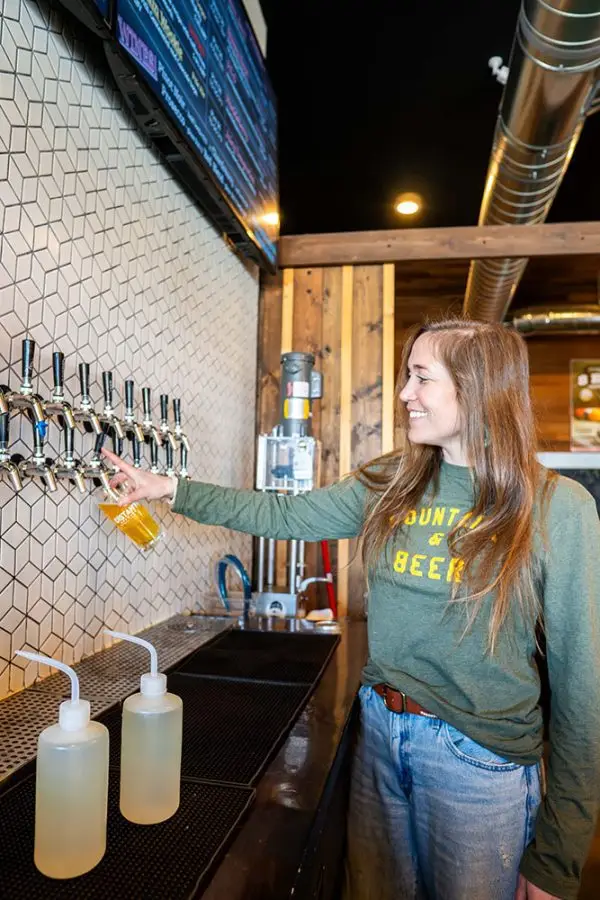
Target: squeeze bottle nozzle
152, 683
73, 714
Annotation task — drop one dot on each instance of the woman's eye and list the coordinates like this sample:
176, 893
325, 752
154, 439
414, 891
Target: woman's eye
421, 379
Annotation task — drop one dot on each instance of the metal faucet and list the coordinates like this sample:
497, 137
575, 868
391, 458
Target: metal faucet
85, 413
38, 465
166, 433
24, 398
58, 406
107, 416
169, 467
183, 465
6, 464
154, 466
152, 434
96, 471
179, 434
70, 468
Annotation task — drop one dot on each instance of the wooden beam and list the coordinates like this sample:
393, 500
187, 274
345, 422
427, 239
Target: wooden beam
287, 311
387, 366
477, 242
345, 423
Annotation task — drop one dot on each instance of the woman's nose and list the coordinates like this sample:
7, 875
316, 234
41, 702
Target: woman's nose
407, 393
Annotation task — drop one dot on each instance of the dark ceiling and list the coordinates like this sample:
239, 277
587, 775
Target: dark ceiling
382, 97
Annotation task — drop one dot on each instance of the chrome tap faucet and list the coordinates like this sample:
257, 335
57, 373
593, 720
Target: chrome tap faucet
179, 434
134, 430
107, 416
85, 413
154, 466
58, 406
152, 434
169, 467
183, 463
24, 398
96, 471
166, 433
6, 463
38, 465
70, 468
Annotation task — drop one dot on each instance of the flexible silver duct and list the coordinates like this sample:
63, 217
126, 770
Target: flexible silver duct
551, 86
558, 320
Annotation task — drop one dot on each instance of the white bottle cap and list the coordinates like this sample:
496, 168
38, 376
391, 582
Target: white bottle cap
73, 714
153, 685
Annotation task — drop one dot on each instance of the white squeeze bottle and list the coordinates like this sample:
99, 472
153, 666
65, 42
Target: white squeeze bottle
71, 790
150, 746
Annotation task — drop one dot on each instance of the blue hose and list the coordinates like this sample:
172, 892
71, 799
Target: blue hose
231, 560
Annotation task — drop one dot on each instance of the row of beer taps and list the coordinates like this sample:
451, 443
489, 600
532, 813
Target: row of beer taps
104, 424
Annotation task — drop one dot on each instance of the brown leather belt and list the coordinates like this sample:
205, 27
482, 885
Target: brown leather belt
398, 702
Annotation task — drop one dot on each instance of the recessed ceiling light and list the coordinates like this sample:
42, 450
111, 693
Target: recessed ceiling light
408, 204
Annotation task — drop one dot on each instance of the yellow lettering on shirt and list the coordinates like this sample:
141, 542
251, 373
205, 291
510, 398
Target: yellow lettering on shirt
438, 516
415, 566
455, 569
434, 563
411, 517
425, 515
400, 561
453, 514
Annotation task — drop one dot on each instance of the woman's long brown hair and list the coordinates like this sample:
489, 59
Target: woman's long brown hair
489, 366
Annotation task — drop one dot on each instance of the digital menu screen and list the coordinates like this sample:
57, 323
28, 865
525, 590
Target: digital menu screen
201, 59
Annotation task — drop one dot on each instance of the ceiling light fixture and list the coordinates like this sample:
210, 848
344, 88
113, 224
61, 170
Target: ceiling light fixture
408, 204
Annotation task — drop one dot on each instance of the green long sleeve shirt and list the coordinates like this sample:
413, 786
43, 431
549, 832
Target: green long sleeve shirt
417, 640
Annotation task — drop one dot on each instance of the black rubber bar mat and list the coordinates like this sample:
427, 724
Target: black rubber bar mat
170, 861
231, 729
263, 656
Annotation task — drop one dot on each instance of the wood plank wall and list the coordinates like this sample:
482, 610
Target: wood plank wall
345, 316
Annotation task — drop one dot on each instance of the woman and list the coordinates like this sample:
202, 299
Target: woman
469, 545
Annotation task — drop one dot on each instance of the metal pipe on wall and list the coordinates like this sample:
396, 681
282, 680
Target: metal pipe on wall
551, 88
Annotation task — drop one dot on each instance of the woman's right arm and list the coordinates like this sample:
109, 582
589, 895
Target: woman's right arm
334, 512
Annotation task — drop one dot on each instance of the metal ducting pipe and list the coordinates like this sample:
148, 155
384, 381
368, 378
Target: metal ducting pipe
552, 82
558, 320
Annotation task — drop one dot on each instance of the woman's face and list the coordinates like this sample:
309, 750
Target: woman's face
431, 401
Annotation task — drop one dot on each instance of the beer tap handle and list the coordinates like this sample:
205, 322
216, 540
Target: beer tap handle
27, 365
58, 371
129, 398
84, 383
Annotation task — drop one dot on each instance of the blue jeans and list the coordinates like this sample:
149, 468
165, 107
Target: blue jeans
433, 815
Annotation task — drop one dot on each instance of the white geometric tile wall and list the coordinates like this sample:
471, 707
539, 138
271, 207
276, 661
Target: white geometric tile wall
103, 256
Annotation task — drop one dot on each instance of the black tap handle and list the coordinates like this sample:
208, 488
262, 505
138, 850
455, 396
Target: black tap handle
117, 444
4, 422
146, 403
169, 455
129, 396
164, 407
39, 433
69, 434
58, 369
184, 456
27, 363
154, 454
99, 442
84, 380
137, 452
108, 387
177, 412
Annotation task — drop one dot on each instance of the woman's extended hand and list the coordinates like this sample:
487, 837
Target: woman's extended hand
141, 485
528, 891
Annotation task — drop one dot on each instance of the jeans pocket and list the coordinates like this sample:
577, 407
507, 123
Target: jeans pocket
469, 751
